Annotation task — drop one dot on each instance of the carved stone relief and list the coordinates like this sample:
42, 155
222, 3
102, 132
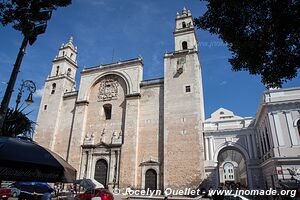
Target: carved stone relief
108, 89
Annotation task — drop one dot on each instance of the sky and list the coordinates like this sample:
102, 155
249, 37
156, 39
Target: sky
106, 31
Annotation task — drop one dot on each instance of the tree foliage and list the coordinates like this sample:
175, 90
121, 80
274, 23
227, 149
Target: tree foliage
25, 15
16, 123
263, 35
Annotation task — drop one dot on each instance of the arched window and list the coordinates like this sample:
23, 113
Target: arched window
57, 70
101, 171
69, 72
53, 88
228, 171
184, 45
107, 111
183, 25
71, 55
151, 179
298, 126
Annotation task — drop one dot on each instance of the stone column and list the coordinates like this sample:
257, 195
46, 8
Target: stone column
206, 149
278, 128
90, 166
292, 132
254, 146
211, 148
249, 146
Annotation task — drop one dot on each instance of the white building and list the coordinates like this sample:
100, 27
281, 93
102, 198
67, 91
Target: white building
263, 151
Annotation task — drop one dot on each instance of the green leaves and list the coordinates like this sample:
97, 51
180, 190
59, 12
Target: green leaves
16, 122
28, 16
263, 36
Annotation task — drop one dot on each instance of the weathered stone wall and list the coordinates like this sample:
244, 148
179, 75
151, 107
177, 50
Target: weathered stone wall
150, 127
183, 139
129, 152
62, 137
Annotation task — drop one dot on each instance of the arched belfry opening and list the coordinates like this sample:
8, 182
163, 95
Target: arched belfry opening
232, 168
184, 45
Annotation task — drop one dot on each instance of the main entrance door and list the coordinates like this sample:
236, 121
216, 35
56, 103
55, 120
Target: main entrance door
151, 179
101, 171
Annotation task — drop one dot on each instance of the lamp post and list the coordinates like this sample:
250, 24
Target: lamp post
30, 86
35, 25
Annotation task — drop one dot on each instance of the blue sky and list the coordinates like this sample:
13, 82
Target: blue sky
130, 28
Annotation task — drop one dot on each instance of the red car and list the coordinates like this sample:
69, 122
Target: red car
5, 193
104, 194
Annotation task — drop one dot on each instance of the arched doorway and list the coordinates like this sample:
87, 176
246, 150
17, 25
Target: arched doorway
151, 179
232, 169
101, 171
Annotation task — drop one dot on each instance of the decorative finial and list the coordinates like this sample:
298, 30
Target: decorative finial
70, 40
184, 12
189, 13
177, 15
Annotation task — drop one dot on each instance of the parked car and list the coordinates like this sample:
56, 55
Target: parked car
104, 194
5, 193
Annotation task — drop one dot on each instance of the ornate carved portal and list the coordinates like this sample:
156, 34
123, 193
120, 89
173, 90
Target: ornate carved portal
108, 89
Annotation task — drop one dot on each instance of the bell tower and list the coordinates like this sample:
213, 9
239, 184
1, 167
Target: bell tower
60, 82
183, 109
185, 34
65, 64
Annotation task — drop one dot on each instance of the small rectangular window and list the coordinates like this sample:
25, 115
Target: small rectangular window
107, 111
187, 88
45, 107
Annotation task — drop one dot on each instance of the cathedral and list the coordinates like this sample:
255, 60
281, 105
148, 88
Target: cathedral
128, 132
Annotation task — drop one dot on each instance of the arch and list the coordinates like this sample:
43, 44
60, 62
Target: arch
69, 71
233, 145
183, 25
101, 171
239, 148
184, 45
151, 179
127, 81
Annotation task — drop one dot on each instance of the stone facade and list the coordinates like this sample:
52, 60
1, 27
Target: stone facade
127, 126
124, 131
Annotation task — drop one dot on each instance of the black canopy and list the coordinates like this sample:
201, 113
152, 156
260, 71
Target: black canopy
22, 160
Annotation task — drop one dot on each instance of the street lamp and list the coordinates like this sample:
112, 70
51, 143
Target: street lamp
30, 86
33, 23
